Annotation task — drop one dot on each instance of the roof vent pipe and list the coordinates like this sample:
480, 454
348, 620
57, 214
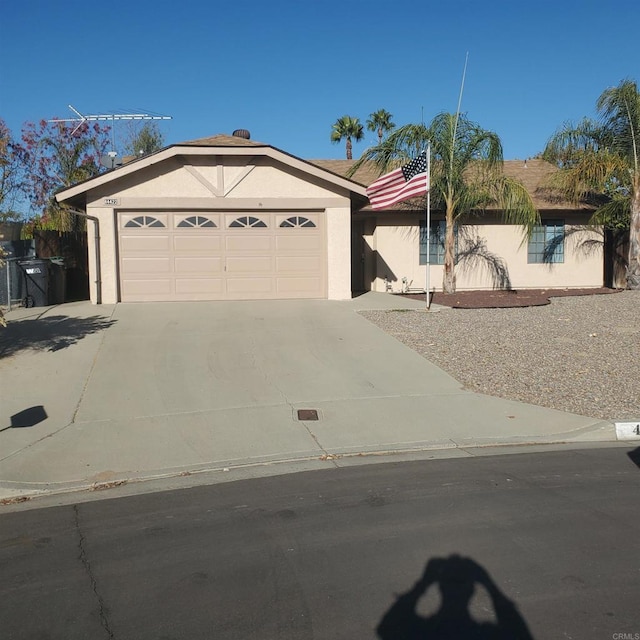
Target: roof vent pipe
242, 133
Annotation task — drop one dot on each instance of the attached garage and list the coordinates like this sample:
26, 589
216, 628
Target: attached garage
221, 218
221, 256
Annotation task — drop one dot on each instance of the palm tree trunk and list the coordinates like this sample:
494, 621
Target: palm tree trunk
449, 274
349, 147
633, 270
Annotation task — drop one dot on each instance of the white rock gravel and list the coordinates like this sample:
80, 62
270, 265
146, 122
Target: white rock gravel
579, 354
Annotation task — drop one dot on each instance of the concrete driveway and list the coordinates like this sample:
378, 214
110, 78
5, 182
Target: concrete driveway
101, 394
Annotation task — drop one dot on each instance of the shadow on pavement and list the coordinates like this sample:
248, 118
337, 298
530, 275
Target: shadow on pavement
50, 333
27, 418
456, 578
634, 456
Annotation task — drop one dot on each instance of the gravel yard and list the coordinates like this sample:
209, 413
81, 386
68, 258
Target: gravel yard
577, 354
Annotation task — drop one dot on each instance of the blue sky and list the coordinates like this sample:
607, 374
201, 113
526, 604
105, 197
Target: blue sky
286, 70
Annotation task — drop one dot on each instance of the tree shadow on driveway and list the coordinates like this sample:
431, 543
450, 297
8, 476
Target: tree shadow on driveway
50, 333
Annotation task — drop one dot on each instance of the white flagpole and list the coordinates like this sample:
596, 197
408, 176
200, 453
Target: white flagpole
428, 217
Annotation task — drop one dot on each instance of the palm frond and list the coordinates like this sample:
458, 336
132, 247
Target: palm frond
514, 202
591, 172
400, 146
615, 214
620, 110
572, 141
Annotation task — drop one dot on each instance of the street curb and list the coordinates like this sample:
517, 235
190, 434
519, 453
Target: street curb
12, 493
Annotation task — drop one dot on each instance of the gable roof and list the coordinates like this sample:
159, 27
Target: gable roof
232, 145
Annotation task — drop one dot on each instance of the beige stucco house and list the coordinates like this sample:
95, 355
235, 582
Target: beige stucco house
228, 218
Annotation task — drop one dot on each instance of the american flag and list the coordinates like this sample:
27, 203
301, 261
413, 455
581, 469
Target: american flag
401, 184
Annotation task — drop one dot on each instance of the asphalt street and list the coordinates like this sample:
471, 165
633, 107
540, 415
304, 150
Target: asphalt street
543, 545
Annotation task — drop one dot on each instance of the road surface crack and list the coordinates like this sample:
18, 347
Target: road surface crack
104, 621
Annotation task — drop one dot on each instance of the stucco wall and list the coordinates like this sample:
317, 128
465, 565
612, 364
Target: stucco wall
339, 253
499, 258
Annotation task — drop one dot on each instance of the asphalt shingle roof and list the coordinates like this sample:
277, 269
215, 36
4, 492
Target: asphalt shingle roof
533, 174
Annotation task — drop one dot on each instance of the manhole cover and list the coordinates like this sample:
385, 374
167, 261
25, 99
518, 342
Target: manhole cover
307, 414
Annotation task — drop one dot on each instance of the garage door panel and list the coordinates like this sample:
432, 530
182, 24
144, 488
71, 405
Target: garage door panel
195, 244
298, 263
298, 242
248, 243
253, 264
144, 243
147, 287
198, 264
299, 285
254, 285
200, 286
144, 265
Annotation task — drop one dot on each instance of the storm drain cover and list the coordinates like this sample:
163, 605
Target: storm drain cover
307, 414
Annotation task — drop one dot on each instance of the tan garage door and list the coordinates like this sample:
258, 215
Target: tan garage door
221, 256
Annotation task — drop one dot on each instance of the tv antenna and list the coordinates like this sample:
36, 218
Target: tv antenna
109, 161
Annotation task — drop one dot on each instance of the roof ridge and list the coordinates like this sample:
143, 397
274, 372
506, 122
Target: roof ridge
220, 139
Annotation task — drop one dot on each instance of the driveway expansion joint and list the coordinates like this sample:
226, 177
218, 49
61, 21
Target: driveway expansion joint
35, 442
91, 370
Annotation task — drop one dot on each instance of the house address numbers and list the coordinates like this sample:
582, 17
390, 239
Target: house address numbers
111, 202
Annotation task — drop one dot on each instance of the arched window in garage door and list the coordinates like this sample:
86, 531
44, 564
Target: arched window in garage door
247, 221
197, 221
144, 221
296, 222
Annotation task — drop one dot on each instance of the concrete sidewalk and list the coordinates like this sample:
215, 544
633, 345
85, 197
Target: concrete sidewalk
138, 391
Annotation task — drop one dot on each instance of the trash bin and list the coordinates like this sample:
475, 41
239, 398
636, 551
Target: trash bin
36, 282
57, 281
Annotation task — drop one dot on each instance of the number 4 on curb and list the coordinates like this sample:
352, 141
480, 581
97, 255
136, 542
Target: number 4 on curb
628, 430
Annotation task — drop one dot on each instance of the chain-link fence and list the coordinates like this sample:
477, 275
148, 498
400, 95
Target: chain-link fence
12, 276
10, 286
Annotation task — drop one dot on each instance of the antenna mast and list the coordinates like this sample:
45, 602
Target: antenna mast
81, 119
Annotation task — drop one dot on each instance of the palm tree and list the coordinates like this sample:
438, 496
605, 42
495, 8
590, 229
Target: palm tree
466, 175
603, 157
380, 121
347, 127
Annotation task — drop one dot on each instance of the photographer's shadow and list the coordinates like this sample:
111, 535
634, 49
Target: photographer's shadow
456, 578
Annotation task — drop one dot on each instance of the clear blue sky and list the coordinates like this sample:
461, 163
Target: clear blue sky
286, 70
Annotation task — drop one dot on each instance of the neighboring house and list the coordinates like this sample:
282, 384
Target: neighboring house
228, 218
